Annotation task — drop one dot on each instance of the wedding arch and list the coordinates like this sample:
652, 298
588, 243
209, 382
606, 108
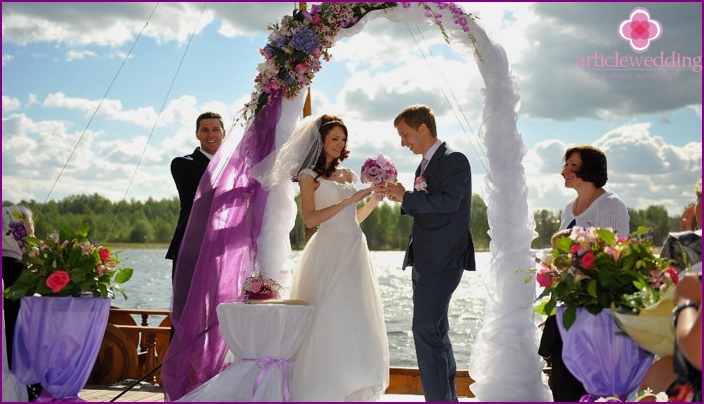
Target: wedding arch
236, 227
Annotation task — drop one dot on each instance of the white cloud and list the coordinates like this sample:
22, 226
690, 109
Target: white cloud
7, 59
644, 169
72, 55
10, 103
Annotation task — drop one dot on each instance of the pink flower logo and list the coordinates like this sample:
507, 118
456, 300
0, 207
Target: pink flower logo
639, 30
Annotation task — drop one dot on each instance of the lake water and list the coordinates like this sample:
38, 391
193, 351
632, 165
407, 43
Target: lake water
150, 288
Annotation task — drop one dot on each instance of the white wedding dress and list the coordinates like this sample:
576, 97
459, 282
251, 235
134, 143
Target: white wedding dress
346, 355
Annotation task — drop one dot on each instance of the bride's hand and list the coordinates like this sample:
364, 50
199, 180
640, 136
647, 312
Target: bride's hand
360, 195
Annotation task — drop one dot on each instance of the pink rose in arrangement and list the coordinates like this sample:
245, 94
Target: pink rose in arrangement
543, 277
256, 287
57, 281
588, 260
104, 254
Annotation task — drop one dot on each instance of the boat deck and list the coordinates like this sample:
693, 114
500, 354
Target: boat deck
145, 392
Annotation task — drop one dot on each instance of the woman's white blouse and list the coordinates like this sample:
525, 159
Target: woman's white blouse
608, 210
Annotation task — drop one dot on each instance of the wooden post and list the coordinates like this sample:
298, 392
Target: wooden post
307, 111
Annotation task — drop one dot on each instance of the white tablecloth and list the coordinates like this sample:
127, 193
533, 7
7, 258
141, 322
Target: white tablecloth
262, 337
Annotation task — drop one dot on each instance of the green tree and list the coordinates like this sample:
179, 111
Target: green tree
480, 223
547, 223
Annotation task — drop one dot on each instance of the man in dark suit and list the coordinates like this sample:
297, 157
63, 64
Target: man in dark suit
188, 170
440, 247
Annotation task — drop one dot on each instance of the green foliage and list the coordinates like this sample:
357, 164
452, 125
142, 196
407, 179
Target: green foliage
68, 264
594, 270
154, 221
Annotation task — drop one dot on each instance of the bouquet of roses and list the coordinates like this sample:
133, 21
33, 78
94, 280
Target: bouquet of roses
593, 269
378, 170
257, 287
68, 264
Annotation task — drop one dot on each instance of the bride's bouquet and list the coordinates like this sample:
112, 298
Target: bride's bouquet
378, 170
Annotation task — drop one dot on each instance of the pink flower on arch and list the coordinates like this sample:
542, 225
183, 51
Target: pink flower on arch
639, 30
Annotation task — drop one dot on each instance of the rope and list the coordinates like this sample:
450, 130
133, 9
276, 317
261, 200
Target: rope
98, 107
454, 104
151, 133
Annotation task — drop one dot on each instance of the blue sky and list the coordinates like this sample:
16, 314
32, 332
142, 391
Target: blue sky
60, 59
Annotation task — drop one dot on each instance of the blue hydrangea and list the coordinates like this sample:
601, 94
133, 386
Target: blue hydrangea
305, 40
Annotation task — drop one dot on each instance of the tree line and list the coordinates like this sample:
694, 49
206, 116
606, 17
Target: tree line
153, 221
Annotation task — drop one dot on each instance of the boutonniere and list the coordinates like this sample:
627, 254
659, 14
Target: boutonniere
421, 184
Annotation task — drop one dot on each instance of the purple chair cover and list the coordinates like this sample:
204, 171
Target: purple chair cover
56, 342
601, 356
217, 253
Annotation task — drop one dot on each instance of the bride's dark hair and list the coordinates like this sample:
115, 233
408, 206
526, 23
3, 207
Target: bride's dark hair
327, 123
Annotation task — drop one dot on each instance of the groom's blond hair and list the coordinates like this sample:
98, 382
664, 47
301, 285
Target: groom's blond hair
416, 115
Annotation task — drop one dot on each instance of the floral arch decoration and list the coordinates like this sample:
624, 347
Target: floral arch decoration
237, 228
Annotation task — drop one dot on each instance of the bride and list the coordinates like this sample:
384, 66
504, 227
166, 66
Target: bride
346, 355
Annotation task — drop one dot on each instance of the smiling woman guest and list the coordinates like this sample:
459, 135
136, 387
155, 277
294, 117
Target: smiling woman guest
584, 170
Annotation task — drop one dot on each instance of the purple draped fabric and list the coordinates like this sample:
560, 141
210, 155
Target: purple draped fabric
217, 253
601, 356
56, 342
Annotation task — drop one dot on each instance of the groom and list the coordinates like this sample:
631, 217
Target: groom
440, 247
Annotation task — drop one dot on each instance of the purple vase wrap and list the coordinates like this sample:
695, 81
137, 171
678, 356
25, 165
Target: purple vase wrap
601, 356
56, 342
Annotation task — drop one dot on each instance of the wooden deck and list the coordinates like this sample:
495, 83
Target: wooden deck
404, 386
141, 393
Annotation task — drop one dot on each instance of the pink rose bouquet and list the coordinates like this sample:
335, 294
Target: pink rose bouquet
68, 264
593, 269
378, 170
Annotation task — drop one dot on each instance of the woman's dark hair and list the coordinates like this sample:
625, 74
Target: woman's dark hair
593, 167
327, 123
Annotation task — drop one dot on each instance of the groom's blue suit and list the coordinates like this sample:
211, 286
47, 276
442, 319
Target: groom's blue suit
440, 249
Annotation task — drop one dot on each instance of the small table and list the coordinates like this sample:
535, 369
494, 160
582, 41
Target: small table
263, 338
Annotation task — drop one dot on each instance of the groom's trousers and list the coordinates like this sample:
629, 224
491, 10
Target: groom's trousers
436, 361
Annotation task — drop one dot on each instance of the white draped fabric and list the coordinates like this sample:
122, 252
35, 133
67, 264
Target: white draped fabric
263, 338
505, 350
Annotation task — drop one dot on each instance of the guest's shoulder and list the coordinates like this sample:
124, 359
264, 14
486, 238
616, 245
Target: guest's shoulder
611, 201
612, 198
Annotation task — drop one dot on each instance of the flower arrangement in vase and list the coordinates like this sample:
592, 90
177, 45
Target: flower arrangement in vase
595, 270
68, 264
257, 287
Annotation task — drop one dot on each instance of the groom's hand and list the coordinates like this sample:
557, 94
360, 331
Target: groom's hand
395, 192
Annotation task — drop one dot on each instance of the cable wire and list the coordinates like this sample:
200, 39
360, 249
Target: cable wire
98, 107
151, 133
454, 104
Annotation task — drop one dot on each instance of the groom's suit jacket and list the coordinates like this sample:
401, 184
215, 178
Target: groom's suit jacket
441, 238
187, 172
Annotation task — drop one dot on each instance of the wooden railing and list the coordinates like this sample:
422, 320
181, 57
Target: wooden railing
130, 351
